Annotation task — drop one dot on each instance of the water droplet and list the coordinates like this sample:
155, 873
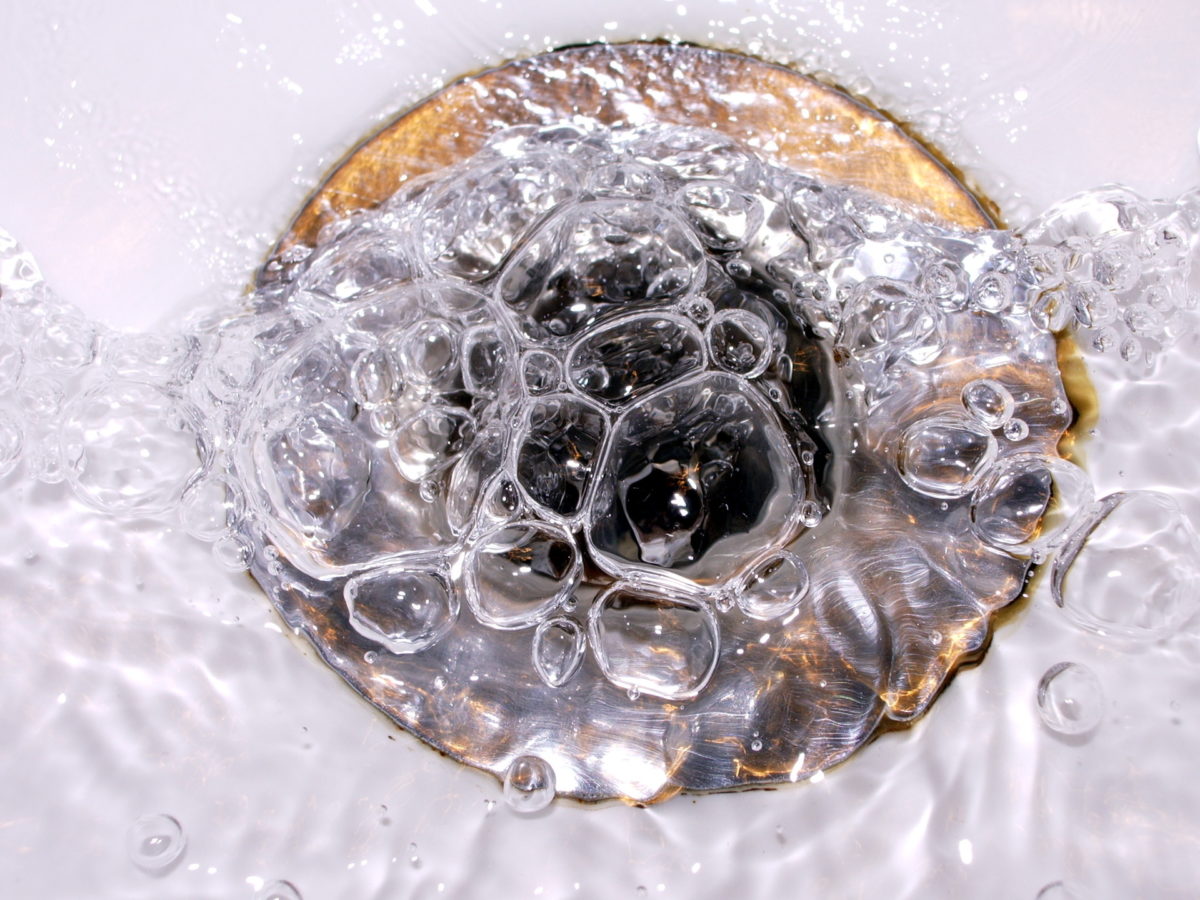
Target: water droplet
1132, 569
529, 784
1094, 306
155, 842
1070, 698
1131, 350
1053, 310
698, 309
944, 282
1115, 267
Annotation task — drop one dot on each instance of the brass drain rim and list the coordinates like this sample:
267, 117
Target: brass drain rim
791, 118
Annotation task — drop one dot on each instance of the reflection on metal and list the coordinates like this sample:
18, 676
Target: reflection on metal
793, 119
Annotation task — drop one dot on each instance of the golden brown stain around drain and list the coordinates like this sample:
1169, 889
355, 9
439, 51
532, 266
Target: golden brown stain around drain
787, 117
790, 118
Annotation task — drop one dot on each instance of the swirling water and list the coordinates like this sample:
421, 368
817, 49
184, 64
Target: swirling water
241, 426
201, 659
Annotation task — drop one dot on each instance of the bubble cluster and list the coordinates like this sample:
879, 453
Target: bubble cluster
631, 425
1118, 269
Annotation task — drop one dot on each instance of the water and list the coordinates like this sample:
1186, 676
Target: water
657, 828
379, 434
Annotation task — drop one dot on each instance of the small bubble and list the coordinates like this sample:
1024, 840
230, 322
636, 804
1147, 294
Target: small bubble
1057, 890
698, 309
233, 552
155, 841
1070, 698
1131, 349
430, 489
210, 507
529, 784
278, 890
756, 745
989, 401
992, 292
1016, 430
810, 513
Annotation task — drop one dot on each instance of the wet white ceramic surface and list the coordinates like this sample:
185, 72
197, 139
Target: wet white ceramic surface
148, 159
